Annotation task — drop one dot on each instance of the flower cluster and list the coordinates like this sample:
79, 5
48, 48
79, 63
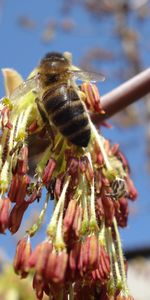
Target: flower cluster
81, 254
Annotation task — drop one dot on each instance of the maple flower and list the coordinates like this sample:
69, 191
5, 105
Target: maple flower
81, 254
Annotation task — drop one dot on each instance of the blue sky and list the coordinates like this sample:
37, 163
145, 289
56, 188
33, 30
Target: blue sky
22, 49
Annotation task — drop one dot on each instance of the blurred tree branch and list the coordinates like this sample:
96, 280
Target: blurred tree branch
124, 95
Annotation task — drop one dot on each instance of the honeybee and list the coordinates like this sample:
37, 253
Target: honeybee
58, 98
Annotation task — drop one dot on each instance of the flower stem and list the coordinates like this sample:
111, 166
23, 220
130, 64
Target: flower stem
59, 242
120, 254
85, 205
35, 227
116, 278
93, 221
99, 140
51, 229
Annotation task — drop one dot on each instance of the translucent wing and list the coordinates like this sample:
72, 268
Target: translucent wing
25, 87
87, 76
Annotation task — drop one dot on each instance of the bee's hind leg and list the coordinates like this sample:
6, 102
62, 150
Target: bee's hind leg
46, 121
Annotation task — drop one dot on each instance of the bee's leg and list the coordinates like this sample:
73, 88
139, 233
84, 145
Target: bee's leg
45, 121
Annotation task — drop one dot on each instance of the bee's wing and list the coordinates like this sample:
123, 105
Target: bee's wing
87, 76
25, 87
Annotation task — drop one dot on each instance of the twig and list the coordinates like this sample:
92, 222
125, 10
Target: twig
127, 93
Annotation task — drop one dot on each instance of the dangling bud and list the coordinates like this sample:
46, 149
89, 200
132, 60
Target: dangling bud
49, 171
22, 163
39, 258
69, 215
4, 214
21, 259
56, 266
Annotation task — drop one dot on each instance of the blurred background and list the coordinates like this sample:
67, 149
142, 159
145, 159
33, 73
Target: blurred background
107, 36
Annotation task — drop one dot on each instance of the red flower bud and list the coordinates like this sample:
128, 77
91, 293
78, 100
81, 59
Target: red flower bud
93, 251
9, 125
132, 192
23, 252
16, 216
98, 181
109, 210
22, 163
48, 172
73, 257
107, 146
100, 208
34, 256
21, 193
82, 164
14, 188
56, 267
58, 185
86, 168
100, 159
89, 172
115, 149
40, 286
123, 159
102, 273
72, 165
121, 212
4, 214
18, 188
5, 118
89, 254
42, 258
76, 226
97, 155
92, 97
69, 215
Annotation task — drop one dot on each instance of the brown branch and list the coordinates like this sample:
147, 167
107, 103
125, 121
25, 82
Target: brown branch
127, 93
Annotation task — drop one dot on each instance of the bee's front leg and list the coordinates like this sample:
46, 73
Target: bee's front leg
45, 120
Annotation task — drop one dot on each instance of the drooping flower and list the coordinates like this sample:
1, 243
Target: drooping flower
23, 251
81, 252
4, 214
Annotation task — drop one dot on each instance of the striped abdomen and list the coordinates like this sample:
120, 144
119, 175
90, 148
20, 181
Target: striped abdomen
67, 112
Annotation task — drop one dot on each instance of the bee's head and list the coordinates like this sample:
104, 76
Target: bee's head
53, 63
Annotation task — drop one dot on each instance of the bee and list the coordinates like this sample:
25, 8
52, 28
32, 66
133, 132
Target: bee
58, 99
118, 187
